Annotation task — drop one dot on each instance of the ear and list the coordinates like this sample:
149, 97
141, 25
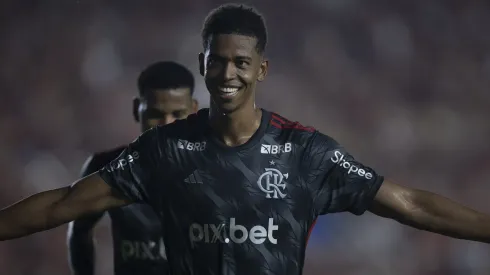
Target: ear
136, 107
264, 66
195, 105
201, 63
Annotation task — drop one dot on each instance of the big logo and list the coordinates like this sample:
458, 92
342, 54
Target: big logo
272, 183
236, 233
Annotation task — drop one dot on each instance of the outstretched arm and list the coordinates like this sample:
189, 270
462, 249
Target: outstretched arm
431, 212
49, 209
131, 174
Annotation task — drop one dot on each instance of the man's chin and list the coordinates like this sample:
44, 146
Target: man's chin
225, 106
147, 126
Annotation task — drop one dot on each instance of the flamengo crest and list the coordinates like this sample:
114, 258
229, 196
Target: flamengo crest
272, 183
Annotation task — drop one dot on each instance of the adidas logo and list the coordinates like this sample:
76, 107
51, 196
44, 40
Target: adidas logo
194, 178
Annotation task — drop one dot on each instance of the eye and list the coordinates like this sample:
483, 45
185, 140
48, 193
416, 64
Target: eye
211, 61
178, 114
242, 63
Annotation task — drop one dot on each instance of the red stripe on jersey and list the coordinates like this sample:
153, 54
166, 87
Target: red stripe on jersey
278, 118
310, 230
292, 126
298, 126
282, 123
275, 124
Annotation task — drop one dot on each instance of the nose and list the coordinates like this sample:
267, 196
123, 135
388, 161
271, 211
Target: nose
167, 119
230, 71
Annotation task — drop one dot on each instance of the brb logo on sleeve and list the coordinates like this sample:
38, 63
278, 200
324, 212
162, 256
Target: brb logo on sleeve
338, 158
236, 233
191, 146
123, 161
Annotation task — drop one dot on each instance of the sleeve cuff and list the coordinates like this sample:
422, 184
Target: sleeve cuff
368, 197
128, 192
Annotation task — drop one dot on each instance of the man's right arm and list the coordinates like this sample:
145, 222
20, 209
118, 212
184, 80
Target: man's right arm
81, 243
49, 209
127, 179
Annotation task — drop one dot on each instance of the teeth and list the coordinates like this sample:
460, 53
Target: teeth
229, 90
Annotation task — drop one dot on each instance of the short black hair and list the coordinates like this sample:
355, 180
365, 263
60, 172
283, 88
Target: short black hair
235, 19
165, 75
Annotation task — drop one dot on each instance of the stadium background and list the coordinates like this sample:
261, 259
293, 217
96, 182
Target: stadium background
404, 85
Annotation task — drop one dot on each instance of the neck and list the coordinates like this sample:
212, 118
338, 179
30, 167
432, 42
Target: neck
237, 127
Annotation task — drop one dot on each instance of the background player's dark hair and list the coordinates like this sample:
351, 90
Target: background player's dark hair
165, 75
235, 19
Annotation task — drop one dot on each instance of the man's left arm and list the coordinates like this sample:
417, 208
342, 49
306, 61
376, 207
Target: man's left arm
431, 212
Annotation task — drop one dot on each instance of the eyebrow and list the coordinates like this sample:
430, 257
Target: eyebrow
157, 113
154, 113
243, 57
224, 58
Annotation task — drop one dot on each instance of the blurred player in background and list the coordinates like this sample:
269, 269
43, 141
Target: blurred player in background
165, 95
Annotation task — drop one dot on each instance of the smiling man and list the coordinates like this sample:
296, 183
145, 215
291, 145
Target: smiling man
237, 187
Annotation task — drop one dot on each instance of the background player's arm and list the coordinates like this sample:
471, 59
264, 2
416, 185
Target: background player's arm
49, 209
81, 243
428, 211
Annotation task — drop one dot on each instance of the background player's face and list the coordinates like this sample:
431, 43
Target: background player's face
231, 67
162, 107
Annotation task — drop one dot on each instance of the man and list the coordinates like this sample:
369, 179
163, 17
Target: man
165, 95
236, 186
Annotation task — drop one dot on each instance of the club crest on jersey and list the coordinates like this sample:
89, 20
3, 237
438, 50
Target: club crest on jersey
272, 183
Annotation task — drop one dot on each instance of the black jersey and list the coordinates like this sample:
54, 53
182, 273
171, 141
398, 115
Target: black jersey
136, 231
245, 209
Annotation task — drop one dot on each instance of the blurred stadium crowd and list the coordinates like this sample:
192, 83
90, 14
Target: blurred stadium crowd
404, 85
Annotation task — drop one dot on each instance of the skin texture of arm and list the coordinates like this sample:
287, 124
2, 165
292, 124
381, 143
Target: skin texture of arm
87, 196
431, 212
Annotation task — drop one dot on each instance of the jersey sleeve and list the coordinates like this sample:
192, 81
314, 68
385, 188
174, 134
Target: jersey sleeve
337, 180
134, 172
89, 167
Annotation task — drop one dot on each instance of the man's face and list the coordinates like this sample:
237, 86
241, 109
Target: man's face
163, 107
231, 67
